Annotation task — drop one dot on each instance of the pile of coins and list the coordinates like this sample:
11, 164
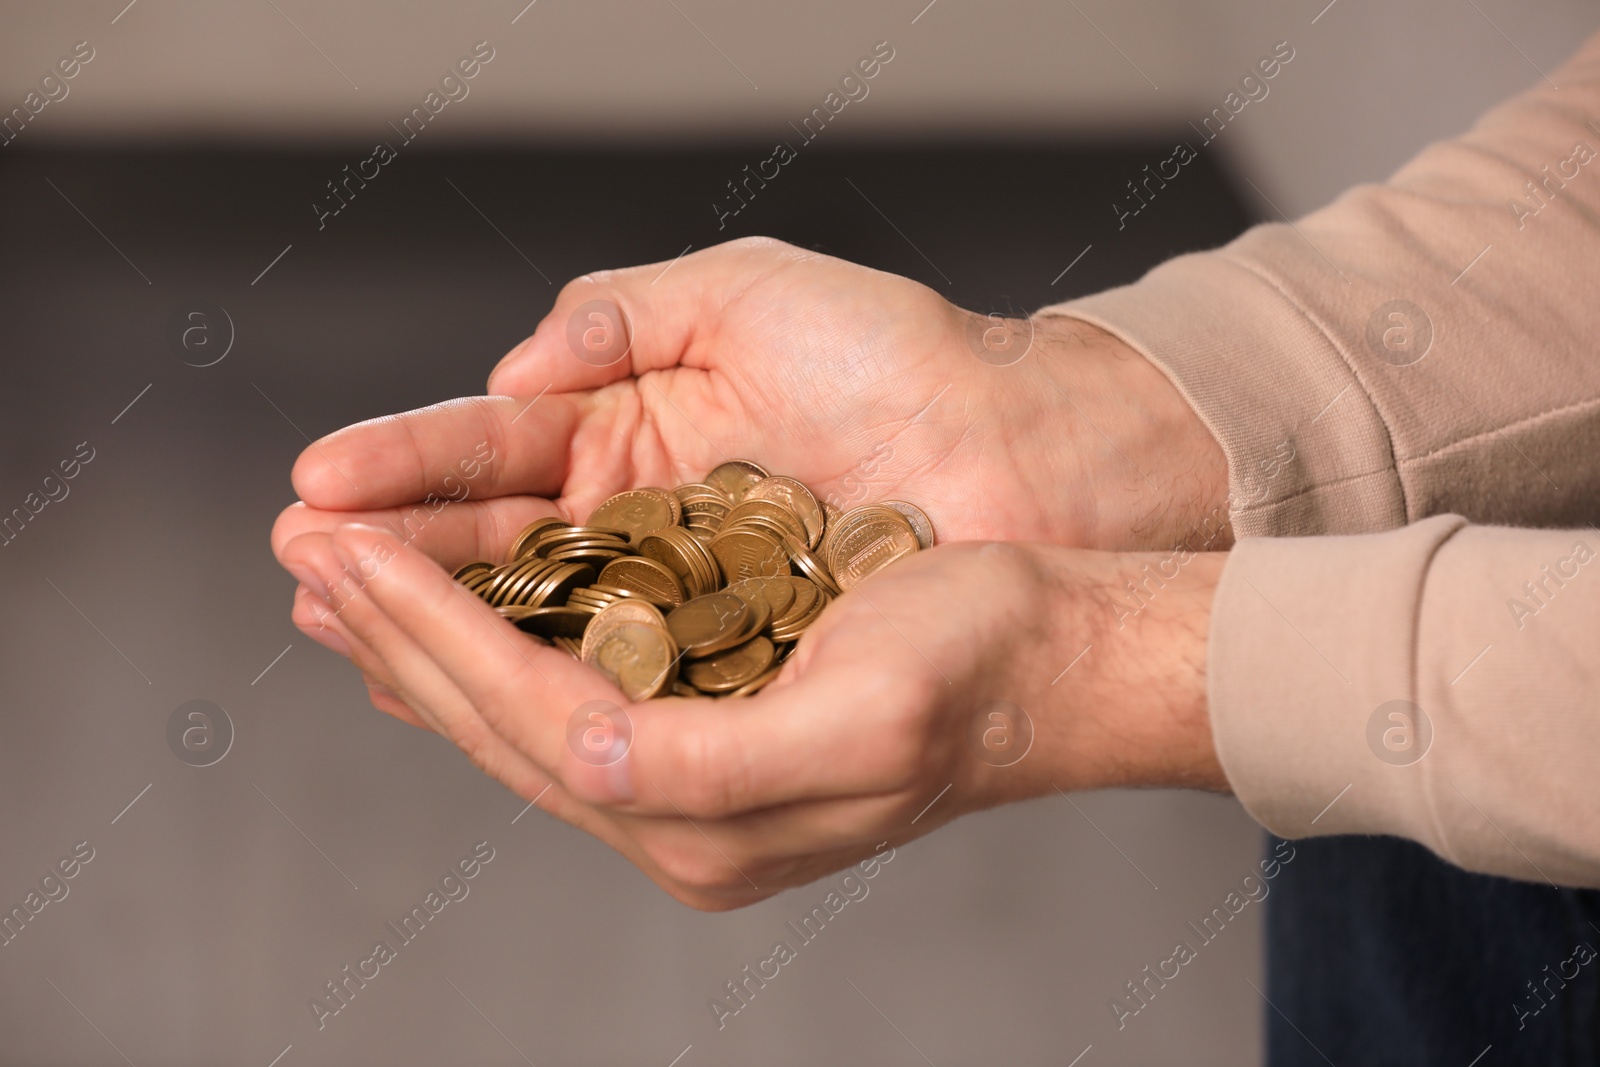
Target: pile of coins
702, 590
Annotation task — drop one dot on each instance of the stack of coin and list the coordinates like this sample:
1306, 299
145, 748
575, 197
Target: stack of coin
702, 590
704, 508
642, 576
529, 582
686, 556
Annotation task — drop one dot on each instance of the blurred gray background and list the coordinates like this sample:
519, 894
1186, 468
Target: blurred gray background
184, 160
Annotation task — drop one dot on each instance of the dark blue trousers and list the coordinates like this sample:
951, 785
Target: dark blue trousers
1379, 953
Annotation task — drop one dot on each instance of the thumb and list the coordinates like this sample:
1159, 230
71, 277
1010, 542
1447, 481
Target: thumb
614, 324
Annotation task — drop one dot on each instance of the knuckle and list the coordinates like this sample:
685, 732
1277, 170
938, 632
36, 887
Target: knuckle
710, 771
477, 747
759, 244
503, 696
582, 288
907, 736
694, 865
287, 526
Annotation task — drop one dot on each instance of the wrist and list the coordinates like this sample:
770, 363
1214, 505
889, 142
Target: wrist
1156, 477
1119, 691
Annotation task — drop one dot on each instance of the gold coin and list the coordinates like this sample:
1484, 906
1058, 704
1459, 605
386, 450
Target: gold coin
513, 615
760, 615
684, 556
716, 555
476, 582
734, 477
810, 566
616, 614
638, 511
794, 497
693, 494
732, 668
554, 623
555, 537
467, 570
757, 683
638, 657
778, 531
776, 592
520, 577
792, 632
609, 544
707, 524
775, 514
806, 595
748, 553
809, 603
530, 533
709, 623
651, 579
553, 589
866, 540
921, 525
595, 557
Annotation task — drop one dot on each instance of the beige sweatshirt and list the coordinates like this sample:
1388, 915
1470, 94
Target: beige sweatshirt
1423, 352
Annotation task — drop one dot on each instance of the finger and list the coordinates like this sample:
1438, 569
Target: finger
522, 691
484, 446
525, 692
428, 690
777, 848
451, 533
390, 702
667, 316
857, 711
847, 730
314, 619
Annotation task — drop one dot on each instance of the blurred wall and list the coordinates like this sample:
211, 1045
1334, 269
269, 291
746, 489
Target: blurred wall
221, 898
1370, 82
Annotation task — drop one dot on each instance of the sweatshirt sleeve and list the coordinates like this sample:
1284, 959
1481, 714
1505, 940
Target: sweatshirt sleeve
1424, 346
1439, 682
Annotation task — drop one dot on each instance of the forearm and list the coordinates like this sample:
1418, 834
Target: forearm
1436, 683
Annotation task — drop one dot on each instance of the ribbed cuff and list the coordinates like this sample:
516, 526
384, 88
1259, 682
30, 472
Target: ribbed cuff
1311, 641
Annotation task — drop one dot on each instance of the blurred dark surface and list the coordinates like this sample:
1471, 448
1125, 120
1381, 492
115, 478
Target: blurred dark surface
226, 896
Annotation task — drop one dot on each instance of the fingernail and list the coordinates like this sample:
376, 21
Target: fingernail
309, 580
362, 568
325, 633
329, 638
619, 780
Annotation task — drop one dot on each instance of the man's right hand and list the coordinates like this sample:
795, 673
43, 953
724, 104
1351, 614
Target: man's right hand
863, 385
